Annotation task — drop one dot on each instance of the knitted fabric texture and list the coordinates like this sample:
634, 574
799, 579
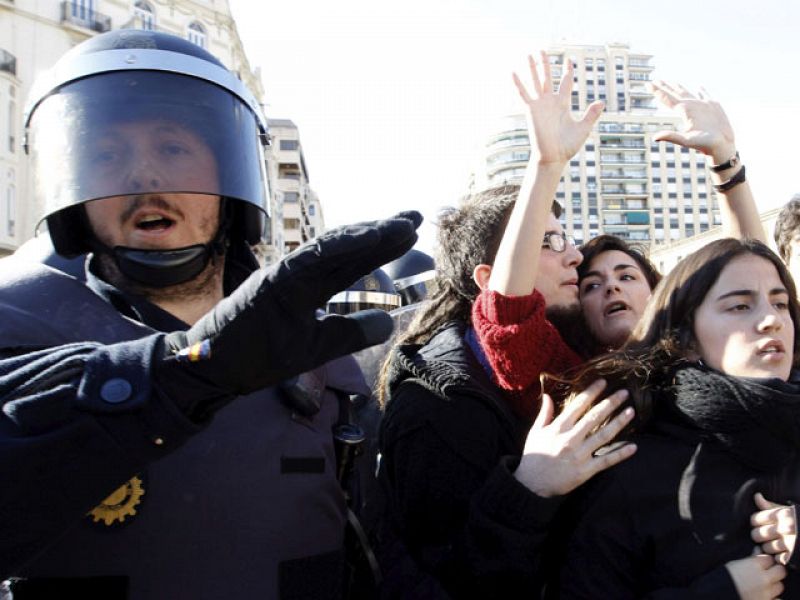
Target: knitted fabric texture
520, 344
757, 420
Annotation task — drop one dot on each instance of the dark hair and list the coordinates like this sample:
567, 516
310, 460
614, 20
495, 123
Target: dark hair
787, 226
664, 337
468, 235
605, 243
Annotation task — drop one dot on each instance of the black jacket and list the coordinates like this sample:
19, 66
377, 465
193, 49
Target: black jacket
449, 445
244, 505
663, 523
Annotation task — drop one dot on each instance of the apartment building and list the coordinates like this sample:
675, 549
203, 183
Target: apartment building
298, 213
34, 35
622, 182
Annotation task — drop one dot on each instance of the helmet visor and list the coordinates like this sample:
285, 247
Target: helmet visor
144, 132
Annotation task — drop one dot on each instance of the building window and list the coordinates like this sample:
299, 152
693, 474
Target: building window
143, 12
82, 9
197, 34
11, 210
12, 122
289, 144
291, 197
312, 210
291, 223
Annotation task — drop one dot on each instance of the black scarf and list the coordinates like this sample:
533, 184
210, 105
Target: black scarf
757, 420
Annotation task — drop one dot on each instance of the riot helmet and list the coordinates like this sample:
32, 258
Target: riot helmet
142, 113
374, 290
414, 276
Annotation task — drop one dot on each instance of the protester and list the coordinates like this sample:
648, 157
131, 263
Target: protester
143, 452
469, 497
787, 235
717, 422
615, 278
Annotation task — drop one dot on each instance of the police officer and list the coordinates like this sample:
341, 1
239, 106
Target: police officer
374, 290
143, 452
413, 275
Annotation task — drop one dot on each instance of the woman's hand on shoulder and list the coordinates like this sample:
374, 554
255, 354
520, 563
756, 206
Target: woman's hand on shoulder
562, 453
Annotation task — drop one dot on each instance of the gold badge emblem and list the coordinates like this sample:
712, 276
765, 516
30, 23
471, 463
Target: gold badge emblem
371, 283
120, 503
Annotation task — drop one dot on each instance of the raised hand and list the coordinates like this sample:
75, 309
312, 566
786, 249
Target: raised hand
757, 577
775, 528
562, 453
706, 127
555, 135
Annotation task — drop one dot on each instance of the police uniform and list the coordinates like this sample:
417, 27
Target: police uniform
142, 458
248, 506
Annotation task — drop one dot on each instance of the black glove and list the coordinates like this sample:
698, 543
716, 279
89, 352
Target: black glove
268, 330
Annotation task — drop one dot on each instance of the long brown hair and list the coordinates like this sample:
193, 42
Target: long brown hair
467, 235
664, 337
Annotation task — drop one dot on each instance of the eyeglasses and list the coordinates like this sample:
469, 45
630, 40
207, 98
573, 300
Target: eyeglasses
557, 242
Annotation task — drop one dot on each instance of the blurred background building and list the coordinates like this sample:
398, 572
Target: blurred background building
35, 33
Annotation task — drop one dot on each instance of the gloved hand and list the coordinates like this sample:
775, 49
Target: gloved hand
267, 330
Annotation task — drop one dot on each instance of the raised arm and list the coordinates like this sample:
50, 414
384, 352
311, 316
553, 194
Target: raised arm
706, 129
555, 137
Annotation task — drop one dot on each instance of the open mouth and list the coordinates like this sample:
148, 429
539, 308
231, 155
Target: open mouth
154, 223
615, 307
772, 348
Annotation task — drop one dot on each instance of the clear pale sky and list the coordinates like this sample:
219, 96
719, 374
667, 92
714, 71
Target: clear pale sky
394, 100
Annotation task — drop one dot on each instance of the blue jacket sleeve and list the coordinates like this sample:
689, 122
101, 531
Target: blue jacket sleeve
77, 421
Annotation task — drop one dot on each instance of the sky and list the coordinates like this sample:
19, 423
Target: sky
394, 100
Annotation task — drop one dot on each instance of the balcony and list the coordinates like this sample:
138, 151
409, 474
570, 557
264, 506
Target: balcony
607, 127
623, 144
82, 16
8, 62
622, 174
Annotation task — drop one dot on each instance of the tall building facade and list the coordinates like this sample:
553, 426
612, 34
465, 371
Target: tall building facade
622, 182
34, 35
297, 215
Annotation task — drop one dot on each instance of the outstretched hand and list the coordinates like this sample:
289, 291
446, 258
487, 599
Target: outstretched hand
705, 125
562, 453
555, 135
268, 330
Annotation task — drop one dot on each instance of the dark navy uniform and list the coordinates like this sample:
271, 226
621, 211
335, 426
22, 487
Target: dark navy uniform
246, 506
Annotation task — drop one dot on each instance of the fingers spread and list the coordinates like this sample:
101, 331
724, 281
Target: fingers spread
521, 89
600, 413
609, 459
537, 84
581, 403
545, 412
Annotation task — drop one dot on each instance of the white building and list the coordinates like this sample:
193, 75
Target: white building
297, 214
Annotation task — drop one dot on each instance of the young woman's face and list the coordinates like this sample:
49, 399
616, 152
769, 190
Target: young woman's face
743, 326
613, 293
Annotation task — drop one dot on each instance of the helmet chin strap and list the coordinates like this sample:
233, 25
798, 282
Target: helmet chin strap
165, 268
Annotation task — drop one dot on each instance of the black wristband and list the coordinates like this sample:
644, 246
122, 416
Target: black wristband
732, 182
731, 162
